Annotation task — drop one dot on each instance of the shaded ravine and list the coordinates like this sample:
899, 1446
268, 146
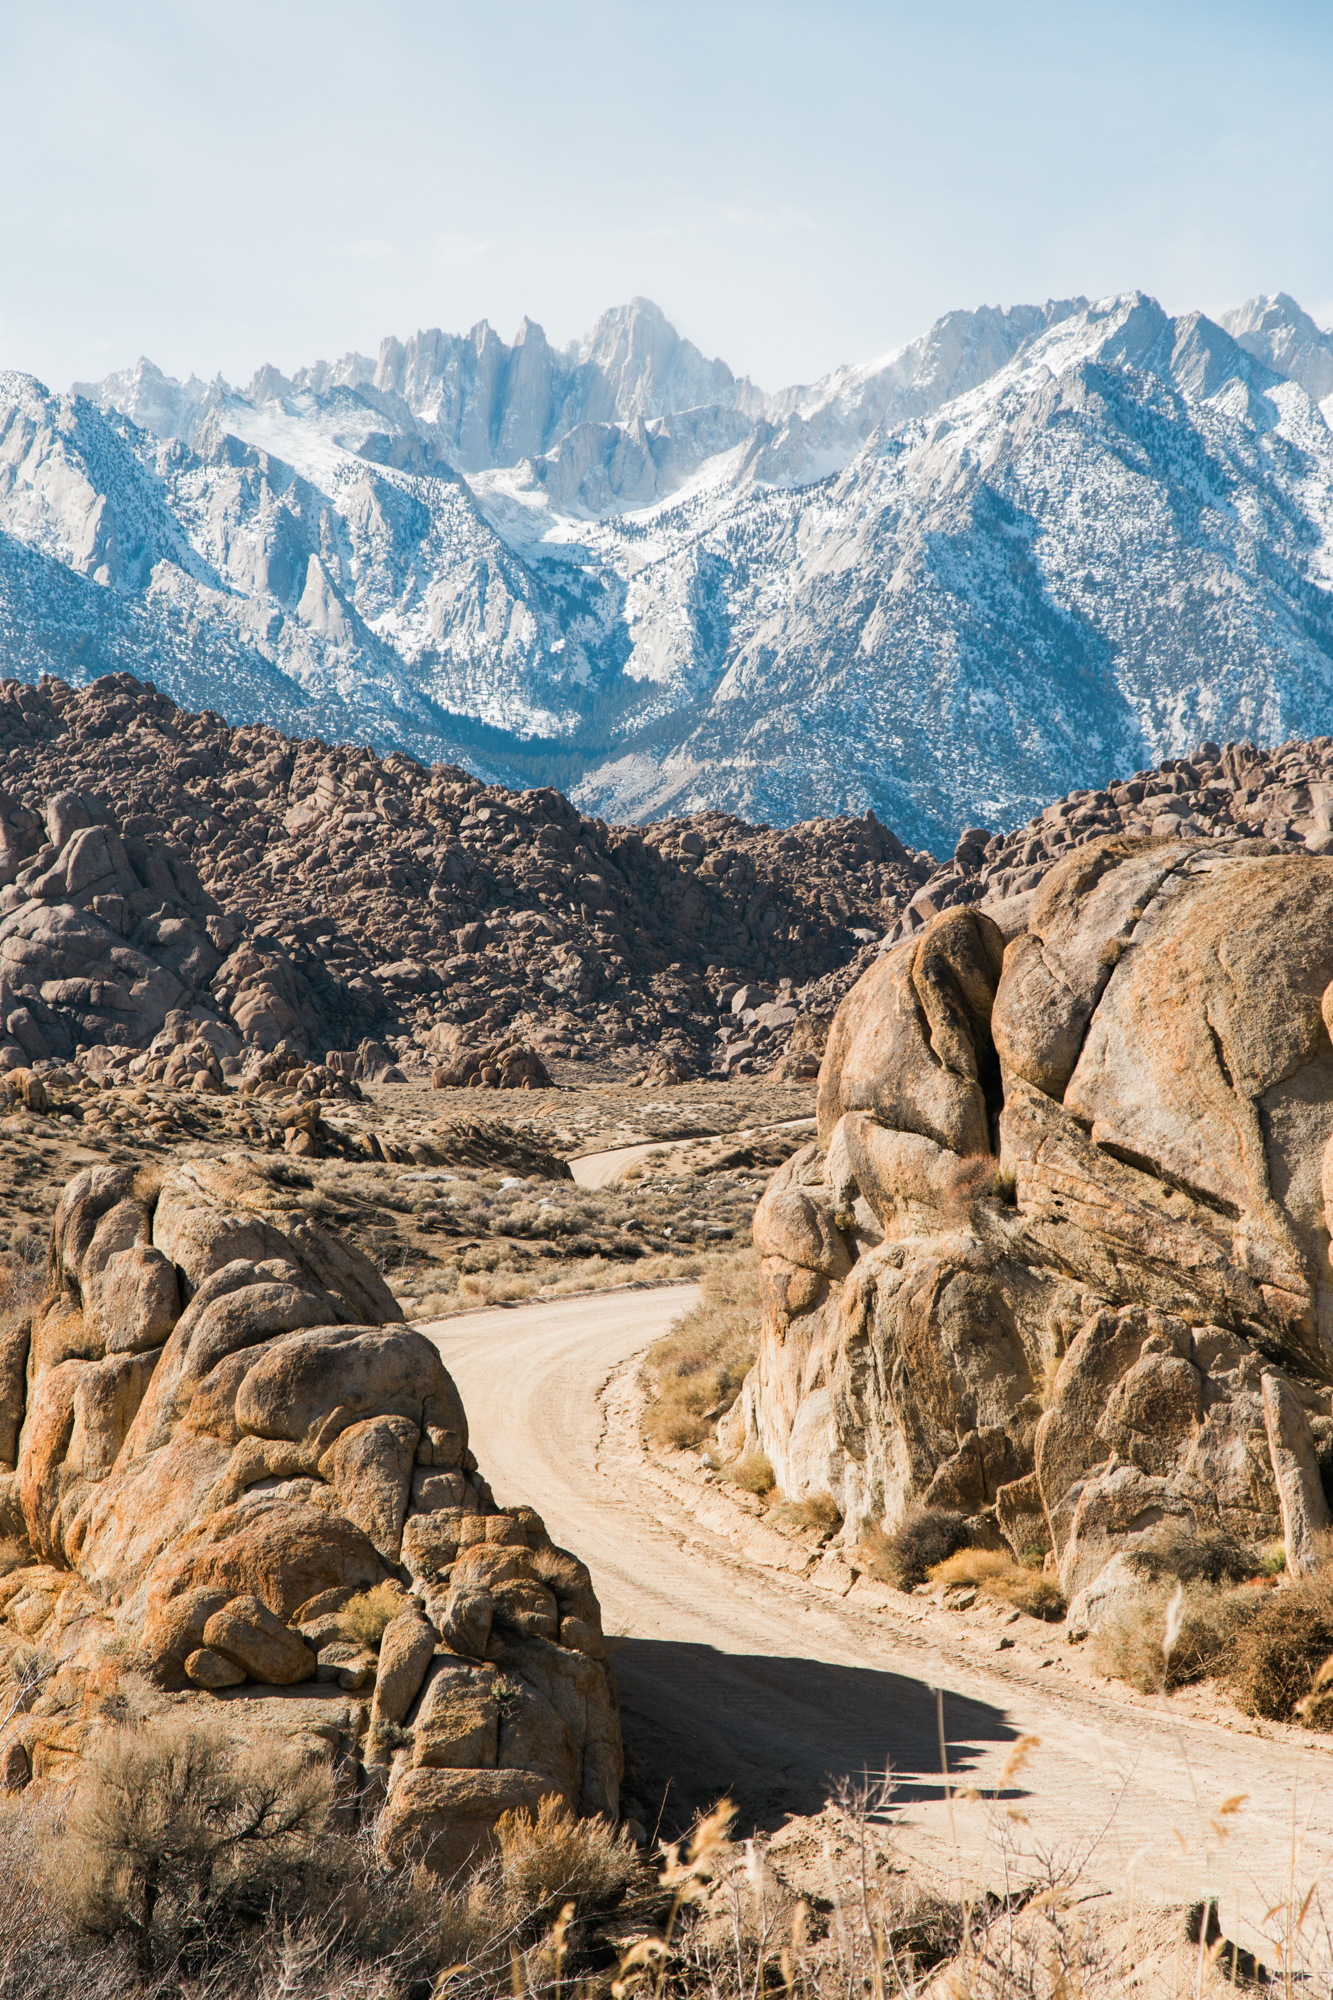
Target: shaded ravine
737, 1678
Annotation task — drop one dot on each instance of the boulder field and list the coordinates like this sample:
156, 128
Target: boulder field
294, 899
237, 1480
316, 897
1059, 1259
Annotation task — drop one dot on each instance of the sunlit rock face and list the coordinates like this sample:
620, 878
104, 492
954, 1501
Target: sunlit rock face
1059, 1259
222, 1440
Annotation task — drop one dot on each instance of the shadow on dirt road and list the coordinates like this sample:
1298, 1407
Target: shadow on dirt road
777, 1734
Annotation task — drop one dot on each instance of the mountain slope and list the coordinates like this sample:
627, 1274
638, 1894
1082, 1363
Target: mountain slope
1034, 546
1115, 547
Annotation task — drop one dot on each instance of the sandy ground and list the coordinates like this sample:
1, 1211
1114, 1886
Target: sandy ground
741, 1679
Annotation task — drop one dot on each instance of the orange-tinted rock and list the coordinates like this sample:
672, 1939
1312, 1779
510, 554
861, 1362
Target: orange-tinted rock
268, 1462
1095, 1167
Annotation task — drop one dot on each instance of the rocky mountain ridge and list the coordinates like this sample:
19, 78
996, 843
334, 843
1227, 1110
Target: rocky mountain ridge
309, 898
1029, 550
278, 895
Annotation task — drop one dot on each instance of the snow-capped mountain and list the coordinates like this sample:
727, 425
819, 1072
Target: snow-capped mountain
1030, 549
1287, 339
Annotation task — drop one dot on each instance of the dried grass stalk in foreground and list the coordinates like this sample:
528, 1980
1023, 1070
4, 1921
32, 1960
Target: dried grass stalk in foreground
721, 1921
844, 1917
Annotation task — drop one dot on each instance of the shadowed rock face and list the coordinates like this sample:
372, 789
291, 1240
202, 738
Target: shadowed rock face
218, 1431
1078, 1157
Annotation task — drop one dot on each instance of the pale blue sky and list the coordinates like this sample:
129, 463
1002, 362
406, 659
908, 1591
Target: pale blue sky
797, 185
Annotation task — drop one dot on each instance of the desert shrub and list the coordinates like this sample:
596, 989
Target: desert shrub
817, 1510
1211, 1556
365, 1616
996, 1574
173, 1837
1279, 1652
186, 1870
551, 1858
754, 1473
22, 1279
698, 1368
903, 1555
1207, 1619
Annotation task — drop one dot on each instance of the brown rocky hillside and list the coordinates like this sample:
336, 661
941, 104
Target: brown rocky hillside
306, 899
324, 896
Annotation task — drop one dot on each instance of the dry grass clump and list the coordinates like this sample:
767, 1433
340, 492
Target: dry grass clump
902, 1556
1192, 1617
698, 1368
753, 1473
552, 1859
365, 1616
1203, 1623
1280, 1649
1208, 1556
22, 1279
996, 1574
818, 1510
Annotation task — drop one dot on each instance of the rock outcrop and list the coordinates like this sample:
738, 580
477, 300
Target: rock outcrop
222, 1440
300, 900
1059, 1258
1225, 791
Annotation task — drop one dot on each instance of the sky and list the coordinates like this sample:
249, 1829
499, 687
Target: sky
797, 185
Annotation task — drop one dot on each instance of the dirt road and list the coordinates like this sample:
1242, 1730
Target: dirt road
742, 1679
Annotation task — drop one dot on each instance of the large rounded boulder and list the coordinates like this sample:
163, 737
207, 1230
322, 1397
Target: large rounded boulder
1060, 1257
232, 1474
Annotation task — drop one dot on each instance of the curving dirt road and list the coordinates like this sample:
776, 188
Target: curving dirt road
743, 1679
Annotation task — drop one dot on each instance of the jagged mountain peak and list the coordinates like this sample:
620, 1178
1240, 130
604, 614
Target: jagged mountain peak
153, 400
1035, 544
1277, 331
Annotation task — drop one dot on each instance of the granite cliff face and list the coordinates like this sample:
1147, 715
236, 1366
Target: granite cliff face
1027, 550
1060, 1258
218, 1436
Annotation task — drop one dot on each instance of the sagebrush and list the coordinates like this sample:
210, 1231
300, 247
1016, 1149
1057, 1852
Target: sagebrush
903, 1556
183, 1866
